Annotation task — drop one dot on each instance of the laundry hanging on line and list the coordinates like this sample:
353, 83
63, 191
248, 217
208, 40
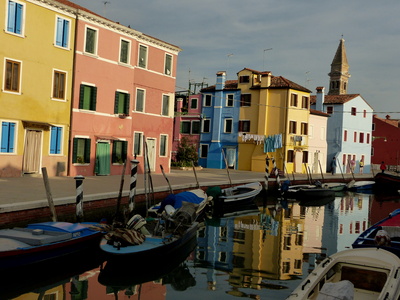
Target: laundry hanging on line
272, 142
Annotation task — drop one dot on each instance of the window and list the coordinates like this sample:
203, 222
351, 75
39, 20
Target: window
165, 105
367, 138
245, 100
87, 97
206, 125
293, 100
168, 65
15, 16
244, 79
304, 102
355, 136
329, 110
62, 32
292, 127
193, 103
8, 137
361, 137
203, 150
290, 156
119, 152
121, 103
305, 157
207, 100
353, 111
137, 146
228, 126
81, 151
12, 76
229, 100
142, 56
365, 113
91, 41
185, 127
345, 136
55, 139
244, 126
139, 100
195, 127
59, 82
163, 145
304, 128
124, 52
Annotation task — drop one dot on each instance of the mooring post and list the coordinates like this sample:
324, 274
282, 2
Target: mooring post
132, 192
79, 197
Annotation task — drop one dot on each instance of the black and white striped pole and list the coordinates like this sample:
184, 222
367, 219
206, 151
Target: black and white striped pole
266, 180
276, 171
132, 192
79, 197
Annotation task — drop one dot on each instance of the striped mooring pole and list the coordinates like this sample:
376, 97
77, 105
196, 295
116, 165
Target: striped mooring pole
132, 192
79, 197
266, 173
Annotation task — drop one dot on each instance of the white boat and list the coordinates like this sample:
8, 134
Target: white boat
358, 186
360, 274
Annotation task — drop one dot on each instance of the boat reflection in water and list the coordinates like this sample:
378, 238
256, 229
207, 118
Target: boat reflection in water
261, 254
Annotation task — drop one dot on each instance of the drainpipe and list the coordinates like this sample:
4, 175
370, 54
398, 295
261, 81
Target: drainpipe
69, 160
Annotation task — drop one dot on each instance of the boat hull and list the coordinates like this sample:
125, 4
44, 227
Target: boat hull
387, 181
82, 240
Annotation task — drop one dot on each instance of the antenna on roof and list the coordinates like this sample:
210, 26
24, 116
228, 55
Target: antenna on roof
104, 9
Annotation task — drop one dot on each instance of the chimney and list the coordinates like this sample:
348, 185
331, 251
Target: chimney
319, 102
221, 78
387, 117
179, 104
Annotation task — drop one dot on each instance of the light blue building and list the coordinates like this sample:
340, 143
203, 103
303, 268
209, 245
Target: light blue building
220, 121
349, 129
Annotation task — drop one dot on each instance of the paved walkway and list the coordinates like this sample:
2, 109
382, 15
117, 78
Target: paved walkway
29, 192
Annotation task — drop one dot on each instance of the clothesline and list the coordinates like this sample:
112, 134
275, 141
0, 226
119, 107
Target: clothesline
271, 142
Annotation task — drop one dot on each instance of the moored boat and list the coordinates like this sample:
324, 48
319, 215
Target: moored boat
233, 198
388, 181
307, 192
353, 274
39, 242
384, 234
361, 186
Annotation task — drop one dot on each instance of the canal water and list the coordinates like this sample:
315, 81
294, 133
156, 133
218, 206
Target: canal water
261, 253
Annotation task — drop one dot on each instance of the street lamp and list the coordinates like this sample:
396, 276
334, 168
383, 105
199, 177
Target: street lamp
379, 137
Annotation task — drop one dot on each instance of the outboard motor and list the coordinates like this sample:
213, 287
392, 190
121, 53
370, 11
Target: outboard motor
186, 214
137, 223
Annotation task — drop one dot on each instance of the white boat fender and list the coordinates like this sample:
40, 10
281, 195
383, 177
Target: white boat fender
169, 209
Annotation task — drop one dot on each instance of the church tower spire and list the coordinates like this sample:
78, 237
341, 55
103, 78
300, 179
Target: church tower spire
339, 75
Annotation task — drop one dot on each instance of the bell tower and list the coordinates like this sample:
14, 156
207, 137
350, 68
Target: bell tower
339, 75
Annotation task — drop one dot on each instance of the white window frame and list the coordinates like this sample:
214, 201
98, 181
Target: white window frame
128, 56
165, 64
15, 145
209, 127
134, 143
166, 145
144, 100
201, 152
146, 58
56, 31
169, 105
205, 102
96, 42
65, 85
197, 103
19, 79
225, 123
22, 34
61, 141
227, 100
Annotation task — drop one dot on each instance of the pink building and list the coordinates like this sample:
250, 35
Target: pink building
124, 83
187, 121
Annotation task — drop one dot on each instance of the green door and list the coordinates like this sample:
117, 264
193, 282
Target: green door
103, 159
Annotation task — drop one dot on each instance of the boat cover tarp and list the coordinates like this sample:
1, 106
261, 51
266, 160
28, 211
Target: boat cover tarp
393, 221
176, 200
342, 290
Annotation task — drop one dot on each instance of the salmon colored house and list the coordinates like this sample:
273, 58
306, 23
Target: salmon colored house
124, 83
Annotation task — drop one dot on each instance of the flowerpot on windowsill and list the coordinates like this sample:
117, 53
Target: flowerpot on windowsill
123, 116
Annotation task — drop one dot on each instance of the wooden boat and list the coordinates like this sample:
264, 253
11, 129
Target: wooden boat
353, 274
307, 192
233, 198
361, 186
336, 186
384, 234
387, 181
141, 240
21, 247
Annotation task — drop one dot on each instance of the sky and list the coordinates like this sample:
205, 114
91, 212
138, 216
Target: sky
296, 39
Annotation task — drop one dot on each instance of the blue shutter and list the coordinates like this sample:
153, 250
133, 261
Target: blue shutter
11, 137
59, 136
18, 19
11, 16
53, 140
59, 33
4, 136
65, 33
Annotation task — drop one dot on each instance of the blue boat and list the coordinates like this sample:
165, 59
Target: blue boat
40, 242
361, 186
384, 234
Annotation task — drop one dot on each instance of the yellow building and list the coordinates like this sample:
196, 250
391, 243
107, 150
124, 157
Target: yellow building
273, 122
36, 59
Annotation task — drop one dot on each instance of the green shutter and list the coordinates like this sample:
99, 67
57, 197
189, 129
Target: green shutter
114, 152
124, 150
116, 102
75, 150
81, 96
87, 150
127, 102
93, 101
